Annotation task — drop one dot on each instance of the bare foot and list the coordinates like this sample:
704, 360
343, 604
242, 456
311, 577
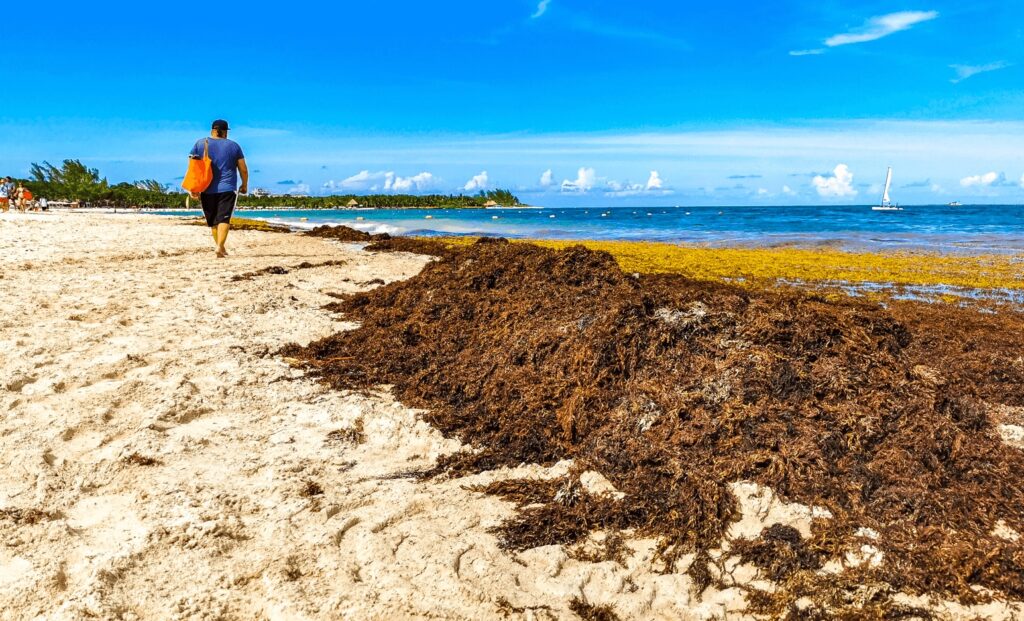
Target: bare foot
221, 254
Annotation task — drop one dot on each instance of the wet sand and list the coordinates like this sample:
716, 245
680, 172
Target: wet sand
159, 460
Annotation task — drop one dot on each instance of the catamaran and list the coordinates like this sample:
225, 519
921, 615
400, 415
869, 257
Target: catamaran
886, 203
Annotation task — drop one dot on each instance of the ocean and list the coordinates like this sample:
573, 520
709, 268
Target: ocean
971, 229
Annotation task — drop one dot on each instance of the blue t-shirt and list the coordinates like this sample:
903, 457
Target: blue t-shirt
224, 156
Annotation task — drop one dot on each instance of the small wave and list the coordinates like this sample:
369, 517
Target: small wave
376, 228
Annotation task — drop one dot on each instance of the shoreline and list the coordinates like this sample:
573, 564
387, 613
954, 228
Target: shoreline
668, 226
918, 273
160, 459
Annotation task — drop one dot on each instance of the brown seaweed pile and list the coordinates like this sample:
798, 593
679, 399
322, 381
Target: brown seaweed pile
673, 388
344, 233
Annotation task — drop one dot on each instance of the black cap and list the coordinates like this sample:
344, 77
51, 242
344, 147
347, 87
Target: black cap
220, 124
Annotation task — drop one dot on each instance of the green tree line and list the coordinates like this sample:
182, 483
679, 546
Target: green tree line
73, 180
501, 197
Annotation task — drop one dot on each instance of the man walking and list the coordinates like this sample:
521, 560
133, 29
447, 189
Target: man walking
220, 197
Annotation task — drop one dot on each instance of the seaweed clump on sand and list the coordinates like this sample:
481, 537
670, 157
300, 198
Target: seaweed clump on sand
411, 244
673, 388
344, 233
382, 242
590, 612
278, 270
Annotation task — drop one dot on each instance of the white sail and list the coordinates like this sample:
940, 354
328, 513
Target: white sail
886, 205
888, 182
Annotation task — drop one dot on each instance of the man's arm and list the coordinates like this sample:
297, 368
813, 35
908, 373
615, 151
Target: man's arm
243, 170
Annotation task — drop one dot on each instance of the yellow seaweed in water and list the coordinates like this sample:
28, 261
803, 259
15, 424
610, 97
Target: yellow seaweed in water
773, 265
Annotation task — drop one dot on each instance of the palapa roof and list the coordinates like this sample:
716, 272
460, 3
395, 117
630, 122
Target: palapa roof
353, 203
490, 204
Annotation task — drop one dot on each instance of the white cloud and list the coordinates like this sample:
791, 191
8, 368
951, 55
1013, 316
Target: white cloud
478, 182
623, 189
383, 181
655, 185
542, 8
547, 179
838, 184
814, 52
299, 188
965, 71
763, 193
881, 26
654, 182
416, 183
788, 191
388, 178
983, 181
357, 179
362, 180
585, 180
1022, 181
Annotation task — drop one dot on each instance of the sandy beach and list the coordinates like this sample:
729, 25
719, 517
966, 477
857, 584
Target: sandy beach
159, 459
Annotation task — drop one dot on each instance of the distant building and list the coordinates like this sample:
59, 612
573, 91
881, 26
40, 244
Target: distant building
261, 193
490, 204
352, 203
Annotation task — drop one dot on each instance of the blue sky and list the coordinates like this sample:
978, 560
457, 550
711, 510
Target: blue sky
568, 102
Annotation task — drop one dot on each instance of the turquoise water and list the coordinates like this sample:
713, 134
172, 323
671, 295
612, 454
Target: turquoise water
970, 229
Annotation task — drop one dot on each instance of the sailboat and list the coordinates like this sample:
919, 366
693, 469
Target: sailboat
886, 203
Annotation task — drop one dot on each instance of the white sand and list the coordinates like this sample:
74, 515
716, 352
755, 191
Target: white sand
122, 336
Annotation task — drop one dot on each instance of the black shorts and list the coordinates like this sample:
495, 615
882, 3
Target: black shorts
217, 207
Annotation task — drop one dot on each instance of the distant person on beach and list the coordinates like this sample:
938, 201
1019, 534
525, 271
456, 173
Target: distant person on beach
24, 198
6, 190
220, 198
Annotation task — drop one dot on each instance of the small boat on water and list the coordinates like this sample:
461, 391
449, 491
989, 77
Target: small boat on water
886, 204
954, 204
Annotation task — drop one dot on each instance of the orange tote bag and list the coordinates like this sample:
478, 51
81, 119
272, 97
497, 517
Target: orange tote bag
200, 172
